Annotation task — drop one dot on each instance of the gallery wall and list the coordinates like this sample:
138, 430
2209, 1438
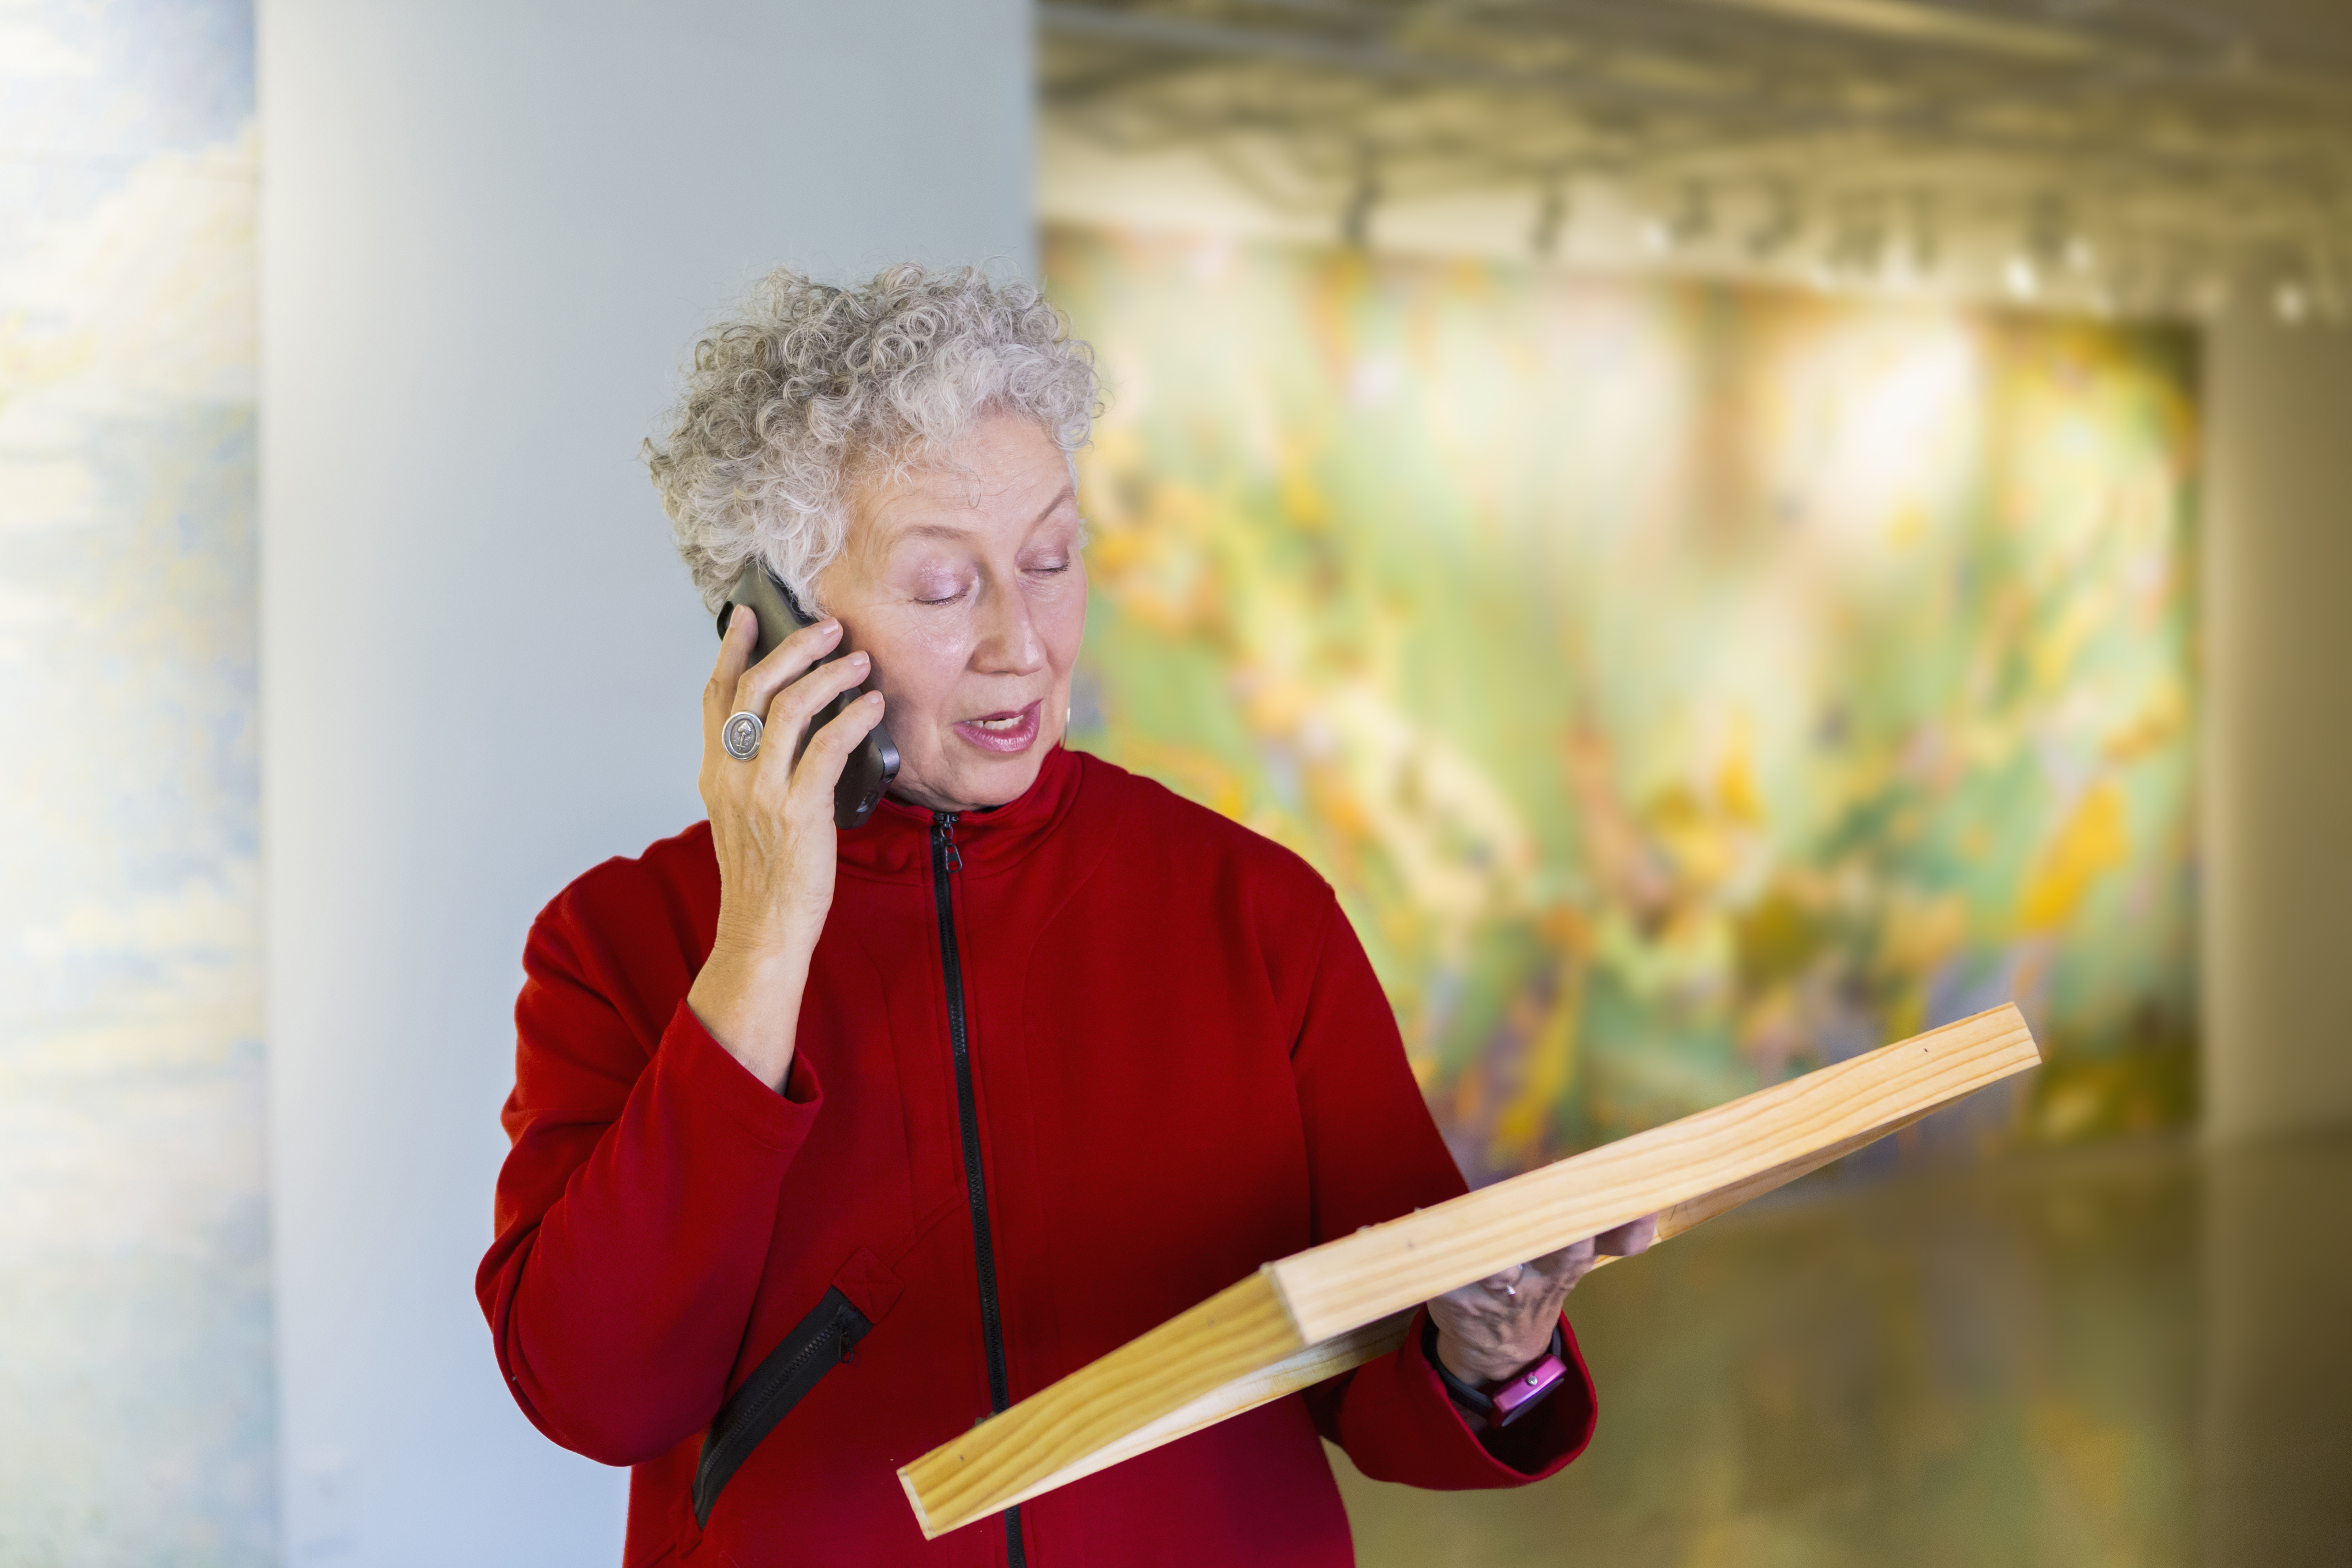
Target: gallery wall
489, 234
1684, 685
137, 1415
2278, 655
1255, 645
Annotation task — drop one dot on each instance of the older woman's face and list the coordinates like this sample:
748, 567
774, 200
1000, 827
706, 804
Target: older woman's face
966, 586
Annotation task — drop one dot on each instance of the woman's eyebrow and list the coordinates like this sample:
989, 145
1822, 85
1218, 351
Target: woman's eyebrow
929, 530
1066, 495
948, 531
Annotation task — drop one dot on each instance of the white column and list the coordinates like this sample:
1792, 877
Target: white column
2278, 729
490, 230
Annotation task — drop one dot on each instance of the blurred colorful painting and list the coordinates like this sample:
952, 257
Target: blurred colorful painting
1683, 686
137, 1403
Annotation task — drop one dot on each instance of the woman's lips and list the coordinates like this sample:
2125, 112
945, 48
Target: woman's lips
1009, 734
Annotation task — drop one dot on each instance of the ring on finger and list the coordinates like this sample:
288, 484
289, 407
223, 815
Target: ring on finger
740, 735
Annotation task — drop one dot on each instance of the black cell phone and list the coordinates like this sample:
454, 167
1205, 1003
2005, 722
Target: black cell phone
875, 762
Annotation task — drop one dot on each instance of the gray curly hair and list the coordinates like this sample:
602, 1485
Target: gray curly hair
818, 388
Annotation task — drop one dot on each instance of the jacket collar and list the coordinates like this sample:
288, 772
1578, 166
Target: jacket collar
897, 839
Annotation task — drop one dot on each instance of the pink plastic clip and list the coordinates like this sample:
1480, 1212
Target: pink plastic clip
1512, 1400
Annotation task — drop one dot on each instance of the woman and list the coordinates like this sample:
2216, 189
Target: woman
828, 1144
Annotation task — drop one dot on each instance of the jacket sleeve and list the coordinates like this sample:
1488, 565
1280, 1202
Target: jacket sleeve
634, 1209
1374, 1153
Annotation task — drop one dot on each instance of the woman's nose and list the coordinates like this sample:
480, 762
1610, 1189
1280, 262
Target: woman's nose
1008, 643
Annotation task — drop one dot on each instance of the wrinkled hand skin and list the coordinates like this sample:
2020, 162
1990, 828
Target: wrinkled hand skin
772, 830
1493, 1328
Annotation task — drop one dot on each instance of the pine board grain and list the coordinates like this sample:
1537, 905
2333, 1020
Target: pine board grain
1319, 1312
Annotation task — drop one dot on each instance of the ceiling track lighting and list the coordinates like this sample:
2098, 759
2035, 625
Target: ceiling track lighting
1356, 217
1780, 226
1926, 237
1943, 163
1551, 218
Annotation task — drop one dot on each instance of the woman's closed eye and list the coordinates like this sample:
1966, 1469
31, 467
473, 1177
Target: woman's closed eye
940, 591
1050, 557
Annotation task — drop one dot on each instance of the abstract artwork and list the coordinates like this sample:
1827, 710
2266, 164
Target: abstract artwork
136, 1398
1682, 685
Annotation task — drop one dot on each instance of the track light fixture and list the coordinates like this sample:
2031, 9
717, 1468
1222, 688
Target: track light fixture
1551, 218
1356, 218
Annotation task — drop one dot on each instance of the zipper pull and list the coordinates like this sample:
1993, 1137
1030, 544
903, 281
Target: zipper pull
841, 1322
943, 835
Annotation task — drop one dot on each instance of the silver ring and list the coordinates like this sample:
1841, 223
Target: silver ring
741, 736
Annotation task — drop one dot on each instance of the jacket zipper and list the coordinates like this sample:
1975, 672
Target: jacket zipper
946, 860
775, 1387
824, 1340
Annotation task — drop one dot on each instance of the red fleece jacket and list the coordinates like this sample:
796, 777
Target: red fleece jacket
1179, 1066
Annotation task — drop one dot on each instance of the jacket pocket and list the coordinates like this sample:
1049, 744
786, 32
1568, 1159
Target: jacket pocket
817, 1344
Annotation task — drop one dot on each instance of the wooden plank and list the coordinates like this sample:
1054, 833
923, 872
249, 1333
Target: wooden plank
1240, 1331
1310, 1366
1374, 1340
1353, 1349
1723, 1200
1250, 1343
1331, 1288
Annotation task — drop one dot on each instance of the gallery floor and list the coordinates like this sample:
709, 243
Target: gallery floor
2139, 1356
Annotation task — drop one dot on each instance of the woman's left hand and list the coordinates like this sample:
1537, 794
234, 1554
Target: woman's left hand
1491, 1328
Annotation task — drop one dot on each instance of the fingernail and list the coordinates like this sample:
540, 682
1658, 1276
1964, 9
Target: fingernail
860, 659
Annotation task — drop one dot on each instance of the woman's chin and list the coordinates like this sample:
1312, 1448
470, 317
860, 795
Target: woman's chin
974, 776
995, 780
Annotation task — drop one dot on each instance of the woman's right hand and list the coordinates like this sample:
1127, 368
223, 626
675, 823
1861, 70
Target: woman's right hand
771, 828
